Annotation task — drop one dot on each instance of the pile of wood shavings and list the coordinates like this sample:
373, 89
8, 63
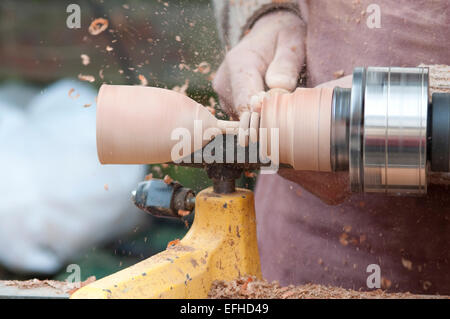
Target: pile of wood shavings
252, 288
62, 287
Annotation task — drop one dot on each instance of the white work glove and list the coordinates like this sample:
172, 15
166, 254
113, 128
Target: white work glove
270, 56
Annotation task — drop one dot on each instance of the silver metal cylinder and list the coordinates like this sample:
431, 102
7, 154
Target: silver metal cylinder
394, 136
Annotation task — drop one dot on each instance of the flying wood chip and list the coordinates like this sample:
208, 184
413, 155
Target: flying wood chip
87, 78
173, 243
168, 179
143, 80
98, 26
85, 59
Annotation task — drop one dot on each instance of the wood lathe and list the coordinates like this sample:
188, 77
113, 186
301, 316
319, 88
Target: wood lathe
386, 131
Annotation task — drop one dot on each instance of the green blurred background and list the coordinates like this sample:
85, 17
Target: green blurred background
155, 39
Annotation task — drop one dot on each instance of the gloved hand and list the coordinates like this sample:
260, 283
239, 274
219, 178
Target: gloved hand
270, 56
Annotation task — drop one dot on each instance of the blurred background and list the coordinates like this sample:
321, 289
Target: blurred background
59, 205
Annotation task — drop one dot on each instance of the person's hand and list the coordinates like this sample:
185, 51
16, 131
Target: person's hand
332, 188
270, 56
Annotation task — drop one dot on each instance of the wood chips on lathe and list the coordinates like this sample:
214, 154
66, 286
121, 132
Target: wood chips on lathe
251, 287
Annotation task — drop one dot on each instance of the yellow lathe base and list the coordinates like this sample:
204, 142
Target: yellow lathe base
221, 245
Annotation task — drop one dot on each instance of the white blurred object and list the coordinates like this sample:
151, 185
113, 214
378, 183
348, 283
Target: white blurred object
56, 199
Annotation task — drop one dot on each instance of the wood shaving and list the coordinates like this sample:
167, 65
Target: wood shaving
36, 283
183, 213
407, 263
203, 68
87, 78
249, 174
168, 179
181, 89
212, 102
173, 243
100, 74
385, 283
338, 74
182, 66
143, 80
73, 96
343, 239
157, 169
362, 238
87, 105
245, 285
252, 288
106, 187
98, 26
426, 285
178, 38
63, 287
211, 76
109, 48
85, 60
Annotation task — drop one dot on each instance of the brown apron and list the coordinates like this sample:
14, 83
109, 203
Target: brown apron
301, 238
